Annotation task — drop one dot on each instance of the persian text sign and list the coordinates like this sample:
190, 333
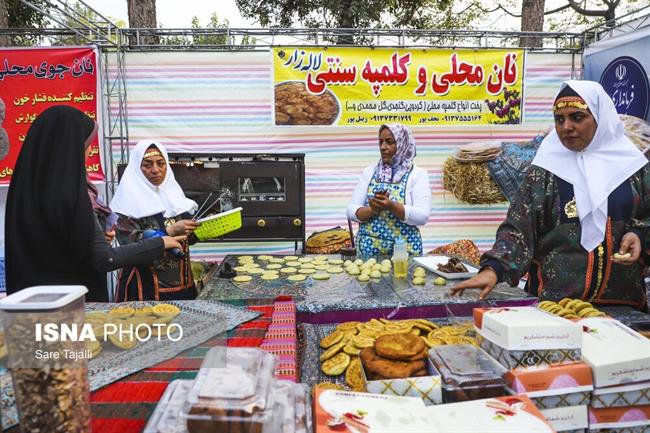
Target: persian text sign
32, 80
359, 86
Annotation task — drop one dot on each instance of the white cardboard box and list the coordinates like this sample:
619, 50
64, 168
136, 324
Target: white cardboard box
516, 414
526, 328
617, 354
354, 412
567, 418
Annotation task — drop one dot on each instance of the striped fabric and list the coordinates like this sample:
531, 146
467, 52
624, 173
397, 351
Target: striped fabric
223, 102
126, 405
281, 339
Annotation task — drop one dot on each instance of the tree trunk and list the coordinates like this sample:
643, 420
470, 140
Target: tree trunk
142, 14
4, 23
345, 22
532, 20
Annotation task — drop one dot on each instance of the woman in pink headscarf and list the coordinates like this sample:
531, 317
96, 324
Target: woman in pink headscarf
392, 197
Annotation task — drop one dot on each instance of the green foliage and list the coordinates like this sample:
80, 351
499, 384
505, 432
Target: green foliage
202, 38
379, 14
22, 16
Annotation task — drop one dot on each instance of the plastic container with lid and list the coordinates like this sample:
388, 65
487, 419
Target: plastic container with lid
165, 418
47, 357
231, 397
283, 419
467, 373
303, 408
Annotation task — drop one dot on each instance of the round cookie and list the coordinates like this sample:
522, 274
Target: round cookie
335, 270
291, 258
306, 266
297, 277
336, 365
364, 278
242, 278
307, 271
293, 263
255, 271
354, 376
269, 276
387, 368
332, 350
305, 259
347, 326
331, 339
274, 266
288, 270
335, 261
419, 281
329, 385
419, 272
375, 274
320, 276
398, 346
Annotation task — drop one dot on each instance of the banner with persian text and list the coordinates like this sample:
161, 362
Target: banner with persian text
34, 79
363, 86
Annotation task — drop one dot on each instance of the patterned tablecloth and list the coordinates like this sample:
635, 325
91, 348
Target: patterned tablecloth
342, 297
126, 405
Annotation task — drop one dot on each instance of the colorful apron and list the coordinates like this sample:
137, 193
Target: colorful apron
377, 235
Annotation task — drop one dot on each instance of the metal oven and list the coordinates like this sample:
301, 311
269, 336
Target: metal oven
269, 187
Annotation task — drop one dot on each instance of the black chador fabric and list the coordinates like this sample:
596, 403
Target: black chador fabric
49, 222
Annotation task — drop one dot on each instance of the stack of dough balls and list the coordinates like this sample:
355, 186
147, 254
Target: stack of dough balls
343, 347
370, 269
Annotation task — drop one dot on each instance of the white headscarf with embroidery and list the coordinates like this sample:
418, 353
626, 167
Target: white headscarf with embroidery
608, 161
136, 197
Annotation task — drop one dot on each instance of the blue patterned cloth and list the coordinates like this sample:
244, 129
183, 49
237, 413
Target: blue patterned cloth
377, 235
509, 168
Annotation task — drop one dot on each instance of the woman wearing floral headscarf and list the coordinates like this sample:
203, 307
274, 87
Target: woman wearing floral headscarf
580, 221
392, 197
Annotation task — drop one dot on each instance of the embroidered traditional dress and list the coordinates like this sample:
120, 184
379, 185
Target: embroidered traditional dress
142, 206
573, 209
166, 279
542, 233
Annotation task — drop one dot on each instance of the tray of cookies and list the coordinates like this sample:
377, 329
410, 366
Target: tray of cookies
400, 368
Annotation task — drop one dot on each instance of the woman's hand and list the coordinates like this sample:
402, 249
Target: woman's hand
380, 202
182, 227
110, 236
629, 251
173, 242
484, 280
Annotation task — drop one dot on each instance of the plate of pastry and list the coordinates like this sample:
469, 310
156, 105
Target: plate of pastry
447, 267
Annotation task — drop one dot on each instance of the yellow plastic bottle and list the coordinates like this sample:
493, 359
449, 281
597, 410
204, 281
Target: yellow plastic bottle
400, 259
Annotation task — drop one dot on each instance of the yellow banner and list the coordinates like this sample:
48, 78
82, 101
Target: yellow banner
362, 86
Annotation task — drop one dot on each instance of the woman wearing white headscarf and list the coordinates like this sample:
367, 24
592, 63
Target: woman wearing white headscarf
150, 202
579, 223
392, 197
